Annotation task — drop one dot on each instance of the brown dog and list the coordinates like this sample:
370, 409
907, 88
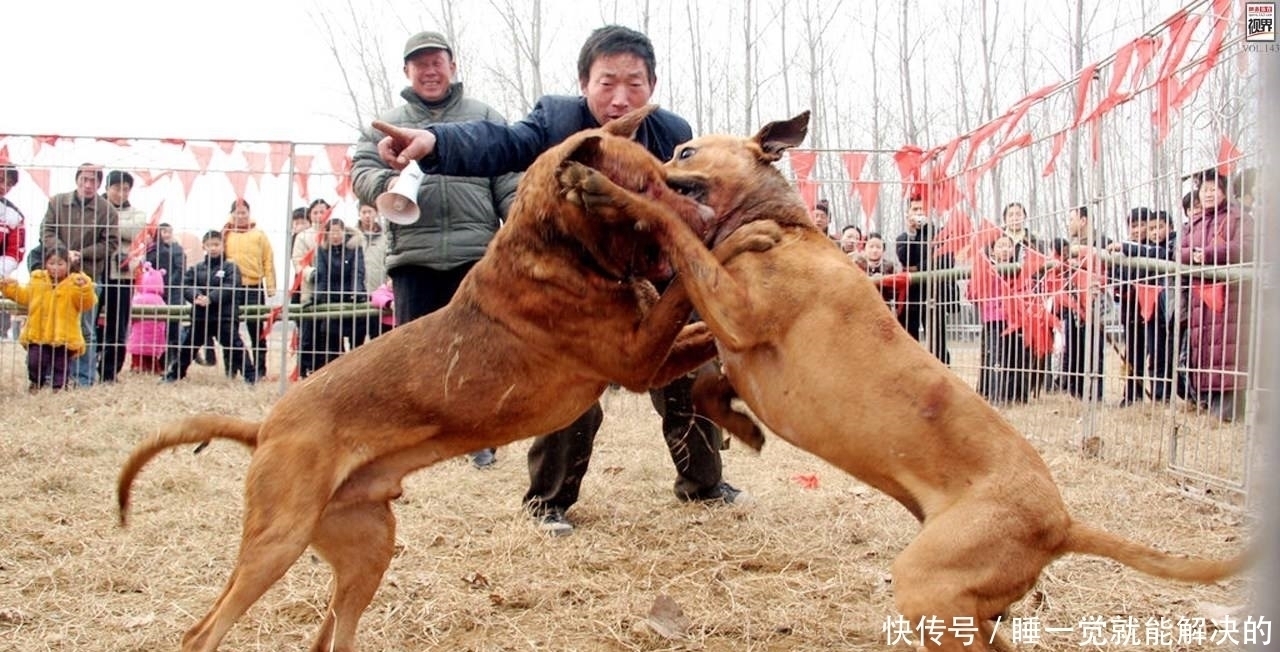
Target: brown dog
817, 356
557, 309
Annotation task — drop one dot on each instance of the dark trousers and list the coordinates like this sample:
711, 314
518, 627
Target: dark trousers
1135, 345
1161, 353
1077, 360
917, 314
115, 297
252, 296
226, 332
422, 290
367, 328
48, 365
1003, 378
328, 339
558, 461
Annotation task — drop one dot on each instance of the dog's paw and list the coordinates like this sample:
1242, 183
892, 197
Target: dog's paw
592, 190
751, 237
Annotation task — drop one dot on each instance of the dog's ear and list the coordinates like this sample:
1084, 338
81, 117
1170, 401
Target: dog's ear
629, 124
777, 137
587, 152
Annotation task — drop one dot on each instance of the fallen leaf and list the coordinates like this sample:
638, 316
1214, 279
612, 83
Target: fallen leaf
668, 619
806, 480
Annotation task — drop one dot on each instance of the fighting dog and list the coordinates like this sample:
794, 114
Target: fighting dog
811, 348
560, 306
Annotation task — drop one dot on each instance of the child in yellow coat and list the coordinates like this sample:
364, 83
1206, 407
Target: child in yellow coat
54, 299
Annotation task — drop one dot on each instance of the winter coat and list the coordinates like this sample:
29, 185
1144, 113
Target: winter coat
1214, 342
13, 237
250, 250
53, 312
340, 273
172, 260
486, 148
148, 337
218, 279
91, 227
459, 212
383, 299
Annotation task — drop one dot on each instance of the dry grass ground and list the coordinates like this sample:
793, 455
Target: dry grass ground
801, 569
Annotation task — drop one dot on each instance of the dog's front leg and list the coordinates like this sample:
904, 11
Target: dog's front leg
694, 346
724, 303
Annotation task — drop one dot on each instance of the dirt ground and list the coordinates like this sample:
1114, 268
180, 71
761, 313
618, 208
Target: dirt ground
805, 567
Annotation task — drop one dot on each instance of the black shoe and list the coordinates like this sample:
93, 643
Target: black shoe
722, 494
553, 522
483, 458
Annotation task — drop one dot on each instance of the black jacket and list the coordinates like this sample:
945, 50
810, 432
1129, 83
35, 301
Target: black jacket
169, 257
485, 149
218, 279
339, 274
917, 251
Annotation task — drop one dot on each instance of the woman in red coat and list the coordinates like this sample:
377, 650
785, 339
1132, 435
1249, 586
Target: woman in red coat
1217, 235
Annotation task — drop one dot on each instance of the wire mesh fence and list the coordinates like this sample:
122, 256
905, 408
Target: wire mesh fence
1088, 256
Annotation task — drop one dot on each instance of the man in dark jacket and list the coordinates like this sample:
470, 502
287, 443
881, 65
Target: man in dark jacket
212, 286
616, 75
927, 301
458, 213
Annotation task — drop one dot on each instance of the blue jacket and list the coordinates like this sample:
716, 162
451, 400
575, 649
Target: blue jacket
485, 149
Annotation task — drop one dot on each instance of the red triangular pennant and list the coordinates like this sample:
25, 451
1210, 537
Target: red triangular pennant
40, 176
278, 156
808, 192
174, 141
301, 173
227, 146
239, 182
1083, 82
868, 193
908, 160
1193, 81
1213, 295
203, 154
337, 154
1148, 296
954, 234
802, 162
1059, 139
853, 164
1032, 263
257, 163
1228, 156
188, 178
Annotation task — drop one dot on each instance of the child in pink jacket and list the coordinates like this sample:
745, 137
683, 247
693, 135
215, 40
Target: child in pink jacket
148, 337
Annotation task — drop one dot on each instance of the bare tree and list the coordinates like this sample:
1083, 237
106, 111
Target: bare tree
693, 14
359, 55
523, 22
906, 50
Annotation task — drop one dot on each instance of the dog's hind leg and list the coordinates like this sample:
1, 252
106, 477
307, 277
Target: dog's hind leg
358, 541
279, 519
967, 565
712, 398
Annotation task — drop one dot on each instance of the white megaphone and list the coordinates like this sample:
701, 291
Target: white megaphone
400, 204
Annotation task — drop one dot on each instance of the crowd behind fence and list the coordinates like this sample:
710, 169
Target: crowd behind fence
1056, 258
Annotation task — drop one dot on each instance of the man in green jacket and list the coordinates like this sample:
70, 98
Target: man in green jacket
426, 260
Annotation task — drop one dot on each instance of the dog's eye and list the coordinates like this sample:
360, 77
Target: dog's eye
685, 153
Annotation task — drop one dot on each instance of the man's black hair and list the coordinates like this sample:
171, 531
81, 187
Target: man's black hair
616, 39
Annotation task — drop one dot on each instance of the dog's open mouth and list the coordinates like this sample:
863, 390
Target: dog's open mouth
697, 190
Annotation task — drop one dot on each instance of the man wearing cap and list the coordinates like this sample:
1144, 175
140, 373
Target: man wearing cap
87, 225
458, 214
616, 74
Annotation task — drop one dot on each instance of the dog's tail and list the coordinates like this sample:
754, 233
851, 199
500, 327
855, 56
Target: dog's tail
1092, 541
197, 429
